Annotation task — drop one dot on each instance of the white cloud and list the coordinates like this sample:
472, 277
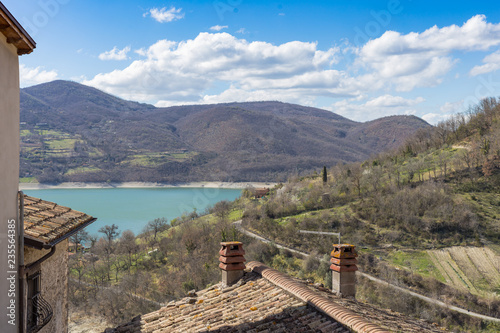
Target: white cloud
163, 15
241, 31
218, 27
192, 71
422, 59
297, 96
491, 64
141, 52
182, 71
234, 94
79, 78
452, 107
115, 54
382, 106
393, 101
434, 118
31, 76
446, 110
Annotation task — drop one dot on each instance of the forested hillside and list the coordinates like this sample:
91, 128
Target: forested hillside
424, 216
71, 132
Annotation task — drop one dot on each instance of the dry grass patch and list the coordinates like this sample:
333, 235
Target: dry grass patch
476, 269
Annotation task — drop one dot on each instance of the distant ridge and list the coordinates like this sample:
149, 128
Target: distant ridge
72, 132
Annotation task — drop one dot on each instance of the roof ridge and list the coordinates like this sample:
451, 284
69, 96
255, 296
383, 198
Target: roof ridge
321, 303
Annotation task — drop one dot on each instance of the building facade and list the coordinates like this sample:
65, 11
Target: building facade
14, 41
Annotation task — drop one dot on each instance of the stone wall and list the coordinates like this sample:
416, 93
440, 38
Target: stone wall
54, 284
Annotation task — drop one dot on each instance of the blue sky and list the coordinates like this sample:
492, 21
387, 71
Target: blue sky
360, 59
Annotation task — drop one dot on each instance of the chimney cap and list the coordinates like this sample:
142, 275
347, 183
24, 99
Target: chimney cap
344, 251
343, 245
230, 243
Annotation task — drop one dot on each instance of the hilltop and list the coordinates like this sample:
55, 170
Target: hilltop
71, 132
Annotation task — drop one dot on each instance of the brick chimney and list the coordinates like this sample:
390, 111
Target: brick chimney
231, 262
344, 269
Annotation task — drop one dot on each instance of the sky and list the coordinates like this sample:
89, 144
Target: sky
360, 59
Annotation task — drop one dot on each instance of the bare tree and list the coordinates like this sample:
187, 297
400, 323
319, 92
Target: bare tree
156, 226
127, 245
444, 162
356, 175
221, 209
108, 247
78, 264
374, 177
78, 238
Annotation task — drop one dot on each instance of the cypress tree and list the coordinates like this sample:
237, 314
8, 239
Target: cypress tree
325, 175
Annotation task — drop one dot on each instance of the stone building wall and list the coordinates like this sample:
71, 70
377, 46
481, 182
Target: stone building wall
54, 284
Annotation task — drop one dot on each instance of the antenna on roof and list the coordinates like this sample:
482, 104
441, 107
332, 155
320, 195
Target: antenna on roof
320, 233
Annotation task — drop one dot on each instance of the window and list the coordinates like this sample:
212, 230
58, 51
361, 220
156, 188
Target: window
39, 311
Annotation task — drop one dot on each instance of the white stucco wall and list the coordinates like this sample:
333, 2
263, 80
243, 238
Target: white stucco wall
9, 161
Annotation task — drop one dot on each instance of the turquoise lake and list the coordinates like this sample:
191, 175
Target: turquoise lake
132, 208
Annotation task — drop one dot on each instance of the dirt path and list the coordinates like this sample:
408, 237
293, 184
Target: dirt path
374, 279
460, 147
81, 322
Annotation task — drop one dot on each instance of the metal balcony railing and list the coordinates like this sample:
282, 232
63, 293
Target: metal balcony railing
39, 313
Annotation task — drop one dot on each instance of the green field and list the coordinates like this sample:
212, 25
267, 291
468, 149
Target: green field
81, 170
416, 261
28, 180
154, 159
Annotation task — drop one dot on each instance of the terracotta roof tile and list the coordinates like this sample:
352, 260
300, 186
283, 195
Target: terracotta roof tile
266, 300
47, 222
321, 303
252, 305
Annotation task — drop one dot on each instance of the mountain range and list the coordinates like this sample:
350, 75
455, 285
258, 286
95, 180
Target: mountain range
72, 132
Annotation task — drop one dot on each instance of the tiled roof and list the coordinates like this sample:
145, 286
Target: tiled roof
252, 305
321, 303
46, 223
265, 300
359, 316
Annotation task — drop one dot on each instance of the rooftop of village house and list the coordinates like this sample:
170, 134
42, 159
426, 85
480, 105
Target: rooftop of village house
265, 300
47, 223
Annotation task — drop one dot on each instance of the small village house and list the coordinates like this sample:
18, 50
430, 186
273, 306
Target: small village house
33, 233
44, 272
260, 192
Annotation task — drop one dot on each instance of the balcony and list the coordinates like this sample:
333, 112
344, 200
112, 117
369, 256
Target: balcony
39, 313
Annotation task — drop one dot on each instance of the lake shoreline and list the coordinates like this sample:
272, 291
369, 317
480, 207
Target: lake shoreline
132, 208
81, 185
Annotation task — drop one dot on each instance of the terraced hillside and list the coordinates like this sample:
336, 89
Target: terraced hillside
475, 269
72, 132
